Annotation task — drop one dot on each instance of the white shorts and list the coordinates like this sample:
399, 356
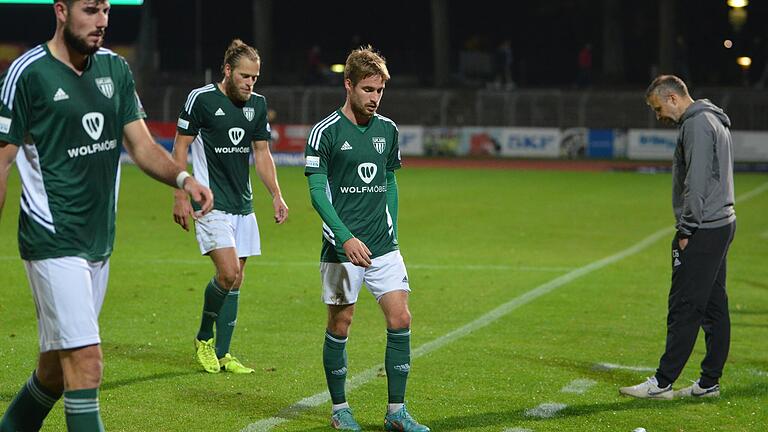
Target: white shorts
342, 281
219, 230
68, 293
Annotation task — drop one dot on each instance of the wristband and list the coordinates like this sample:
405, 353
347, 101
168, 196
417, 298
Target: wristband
180, 179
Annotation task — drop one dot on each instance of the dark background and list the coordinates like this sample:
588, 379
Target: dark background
546, 36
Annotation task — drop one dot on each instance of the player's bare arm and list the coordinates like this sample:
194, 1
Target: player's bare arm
182, 209
7, 155
158, 164
265, 167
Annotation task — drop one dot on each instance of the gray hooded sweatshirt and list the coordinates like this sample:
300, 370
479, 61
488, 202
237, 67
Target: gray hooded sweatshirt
702, 170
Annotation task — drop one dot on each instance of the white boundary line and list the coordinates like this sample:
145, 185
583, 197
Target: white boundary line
484, 320
612, 366
578, 386
546, 410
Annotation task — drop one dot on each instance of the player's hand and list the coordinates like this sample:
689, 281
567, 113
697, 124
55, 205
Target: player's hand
182, 209
683, 242
200, 194
281, 209
357, 252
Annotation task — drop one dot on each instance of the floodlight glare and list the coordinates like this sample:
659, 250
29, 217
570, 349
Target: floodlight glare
738, 3
744, 62
337, 68
728, 43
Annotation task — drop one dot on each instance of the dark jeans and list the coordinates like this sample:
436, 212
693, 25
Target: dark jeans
697, 299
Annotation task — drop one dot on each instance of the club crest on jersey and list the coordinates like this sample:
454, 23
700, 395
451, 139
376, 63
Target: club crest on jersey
236, 135
93, 123
367, 171
106, 87
379, 143
249, 113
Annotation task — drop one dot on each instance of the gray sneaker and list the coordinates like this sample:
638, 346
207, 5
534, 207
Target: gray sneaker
696, 391
648, 390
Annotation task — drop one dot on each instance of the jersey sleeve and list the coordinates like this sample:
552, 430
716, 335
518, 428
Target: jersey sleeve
317, 154
14, 116
393, 160
263, 131
189, 117
131, 109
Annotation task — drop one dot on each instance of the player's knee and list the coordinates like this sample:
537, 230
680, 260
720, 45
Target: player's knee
228, 279
51, 378
400, 320
86, 368
340, 325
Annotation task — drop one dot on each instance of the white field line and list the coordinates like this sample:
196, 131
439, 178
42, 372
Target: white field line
578, 386
612, 366
364, 377
518, 429
546, 410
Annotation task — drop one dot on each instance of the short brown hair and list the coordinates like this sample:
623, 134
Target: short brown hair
238, 49
666, 84
364, 62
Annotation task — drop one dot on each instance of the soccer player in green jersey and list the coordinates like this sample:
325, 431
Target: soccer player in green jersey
351, 158
225, 123
77, 104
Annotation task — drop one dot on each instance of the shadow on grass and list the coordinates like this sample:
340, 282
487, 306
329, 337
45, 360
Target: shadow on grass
150, 354
113, 384
516, 415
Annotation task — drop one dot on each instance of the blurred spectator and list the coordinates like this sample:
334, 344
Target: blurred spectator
584, 77
503, 62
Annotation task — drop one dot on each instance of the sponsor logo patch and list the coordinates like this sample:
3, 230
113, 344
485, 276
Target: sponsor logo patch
312, 162
5, 125
93, 123
346, 146
219, 112
236, 135
367, 171
184, 124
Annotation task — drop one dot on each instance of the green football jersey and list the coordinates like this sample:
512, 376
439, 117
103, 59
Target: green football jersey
221, 150
69, 166
356, 162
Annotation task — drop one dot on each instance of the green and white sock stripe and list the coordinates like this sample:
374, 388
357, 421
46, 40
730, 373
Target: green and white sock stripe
40, 395
219, 290
80, 406
336, 339
399, 332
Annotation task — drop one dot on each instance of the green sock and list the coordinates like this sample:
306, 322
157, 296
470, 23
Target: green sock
335, 364
82, 410
226, 321
29, 408
214, 298
397, 363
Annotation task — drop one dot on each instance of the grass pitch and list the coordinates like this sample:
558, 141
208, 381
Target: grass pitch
472, 240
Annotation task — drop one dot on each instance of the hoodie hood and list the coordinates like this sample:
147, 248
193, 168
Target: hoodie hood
703, 105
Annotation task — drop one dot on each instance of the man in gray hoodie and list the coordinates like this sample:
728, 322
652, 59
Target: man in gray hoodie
702, 198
